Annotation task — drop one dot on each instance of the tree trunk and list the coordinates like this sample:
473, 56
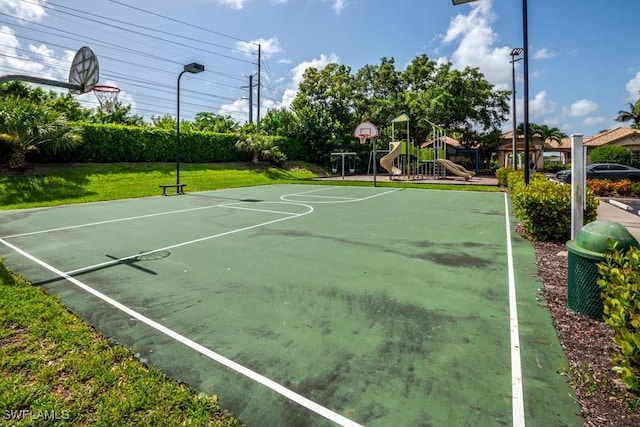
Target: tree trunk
18, 160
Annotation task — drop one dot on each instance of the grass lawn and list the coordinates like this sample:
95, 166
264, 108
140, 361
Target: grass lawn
54, 368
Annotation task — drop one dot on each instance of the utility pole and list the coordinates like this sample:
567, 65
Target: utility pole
250, 99
259, 85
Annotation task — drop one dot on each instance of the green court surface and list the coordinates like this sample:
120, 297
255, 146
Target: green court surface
307, 305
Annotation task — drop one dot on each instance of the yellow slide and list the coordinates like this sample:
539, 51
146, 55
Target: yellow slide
387, 161
456, 169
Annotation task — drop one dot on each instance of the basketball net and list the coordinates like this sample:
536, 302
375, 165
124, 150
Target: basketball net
363, 138
107, 96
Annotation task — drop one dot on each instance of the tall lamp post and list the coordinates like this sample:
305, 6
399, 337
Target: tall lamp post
192, 68
525, 44
515, 52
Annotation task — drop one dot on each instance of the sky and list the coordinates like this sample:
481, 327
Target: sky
584, 66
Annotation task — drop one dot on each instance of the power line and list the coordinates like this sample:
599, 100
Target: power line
180, 22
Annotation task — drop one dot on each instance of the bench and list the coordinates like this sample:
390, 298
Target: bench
179, 188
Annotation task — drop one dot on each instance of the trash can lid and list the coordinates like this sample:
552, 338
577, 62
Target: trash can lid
593, 236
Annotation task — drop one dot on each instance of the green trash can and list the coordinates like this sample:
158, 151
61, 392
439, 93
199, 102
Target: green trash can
585, 252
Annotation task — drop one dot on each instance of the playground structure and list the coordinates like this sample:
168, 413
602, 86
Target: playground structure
407, 161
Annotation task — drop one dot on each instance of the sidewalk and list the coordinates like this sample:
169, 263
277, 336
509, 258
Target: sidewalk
620, 213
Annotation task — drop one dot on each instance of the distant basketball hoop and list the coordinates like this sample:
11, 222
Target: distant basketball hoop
107, 96
368, 131
364, 131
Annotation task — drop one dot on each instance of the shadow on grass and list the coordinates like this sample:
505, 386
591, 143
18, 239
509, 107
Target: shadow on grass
33, 188
42, 183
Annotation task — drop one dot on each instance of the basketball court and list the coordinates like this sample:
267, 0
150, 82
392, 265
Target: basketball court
313, 305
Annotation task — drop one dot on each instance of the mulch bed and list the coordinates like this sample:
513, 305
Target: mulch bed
586, 342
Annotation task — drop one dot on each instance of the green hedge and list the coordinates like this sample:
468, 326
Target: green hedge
107, 143
544, 207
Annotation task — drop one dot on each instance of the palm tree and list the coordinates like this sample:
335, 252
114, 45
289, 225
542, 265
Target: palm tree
545, 133
256, 144
632, 115
27, 126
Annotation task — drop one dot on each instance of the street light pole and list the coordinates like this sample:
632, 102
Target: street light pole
525, 45
525, 62
192, 68
515, 52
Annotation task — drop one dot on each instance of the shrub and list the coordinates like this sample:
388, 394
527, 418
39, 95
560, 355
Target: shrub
600, 187
544, 208
620, 285
622, 187
635, 189
611, 154
501, 175
556, 167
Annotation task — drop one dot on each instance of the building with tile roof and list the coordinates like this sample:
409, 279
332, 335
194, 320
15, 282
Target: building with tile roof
622, 136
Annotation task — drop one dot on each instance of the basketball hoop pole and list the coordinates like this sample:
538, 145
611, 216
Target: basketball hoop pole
364, 131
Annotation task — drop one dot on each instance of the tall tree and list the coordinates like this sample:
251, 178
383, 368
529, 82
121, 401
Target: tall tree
281, 122
120, 114
211, 122
378, 91
464, 101
324, 106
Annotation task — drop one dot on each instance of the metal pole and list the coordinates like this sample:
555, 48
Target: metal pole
578, 184
374, 161
525, 45
250, 98
178, 134
259, 85
513, 112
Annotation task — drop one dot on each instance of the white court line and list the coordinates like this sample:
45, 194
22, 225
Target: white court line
110, 221
517, 395
286, 197
190, 242
289, 394
231, 206
332, 197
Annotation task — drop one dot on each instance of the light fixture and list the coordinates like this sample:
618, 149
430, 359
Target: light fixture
192, 68
514, 140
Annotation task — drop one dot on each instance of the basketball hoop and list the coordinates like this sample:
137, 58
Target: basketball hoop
364, 131
107, 96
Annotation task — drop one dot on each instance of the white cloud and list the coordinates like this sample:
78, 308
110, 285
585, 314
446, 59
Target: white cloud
339, 5
278, 1
540, 105
42, 63
32, 10
582, 107
232, 4
633, 88
297, 74
477, 41
268, 47
543, 54
238, 110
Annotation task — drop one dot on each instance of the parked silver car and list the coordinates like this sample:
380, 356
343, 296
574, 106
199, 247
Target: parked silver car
612, 171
